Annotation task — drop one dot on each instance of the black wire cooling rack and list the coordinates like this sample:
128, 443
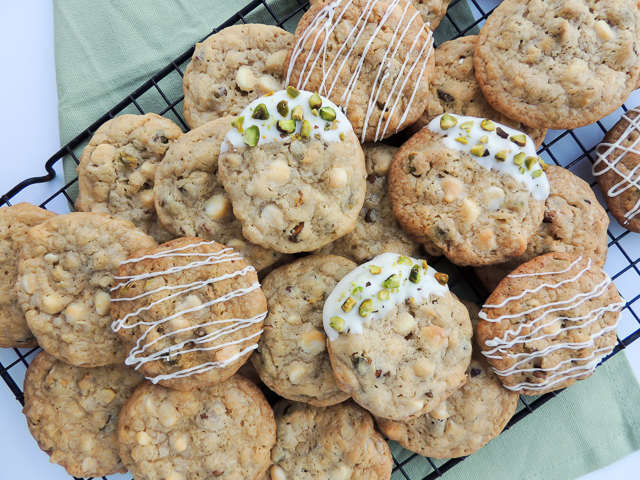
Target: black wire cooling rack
162, 94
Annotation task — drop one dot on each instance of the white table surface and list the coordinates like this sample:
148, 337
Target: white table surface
29, 136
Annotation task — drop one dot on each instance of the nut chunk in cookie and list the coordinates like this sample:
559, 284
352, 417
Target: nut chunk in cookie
399, 341
294, 171
549, 323
472, 187
190, 312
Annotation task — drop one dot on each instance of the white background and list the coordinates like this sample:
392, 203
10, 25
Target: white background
29, 136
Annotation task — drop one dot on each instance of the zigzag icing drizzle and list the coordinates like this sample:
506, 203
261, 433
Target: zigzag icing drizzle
138, 355
539, 330
630, 180
326, 22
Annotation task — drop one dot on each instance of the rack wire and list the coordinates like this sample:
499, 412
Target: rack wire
162, 94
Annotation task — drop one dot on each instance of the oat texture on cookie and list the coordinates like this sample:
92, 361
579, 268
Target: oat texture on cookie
190, 312
374, 58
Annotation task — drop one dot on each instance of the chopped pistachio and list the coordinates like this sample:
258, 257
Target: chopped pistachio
392, 282
447, 121
383, 294
366, 307
327, 127
543, 164
286, 126
127, 160
501, 133
283, 108
442, 278
462, 140
315, 101
414, 275
251, 136
488, 125
519, 158
520, 140
327, 113
484, 139
297, 113
536, 173
425, 265
530, 162
237, 123
342, 136
477, 150
521, 170
337, 324
306, 129
466, 125
404, 261
348, 304
293, 92
501, 156
260, 112
314, 112
374, 269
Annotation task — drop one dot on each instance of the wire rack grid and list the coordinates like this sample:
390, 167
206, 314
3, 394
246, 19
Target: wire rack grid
572, 149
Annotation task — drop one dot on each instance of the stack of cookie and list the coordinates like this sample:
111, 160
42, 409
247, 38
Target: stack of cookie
285, 174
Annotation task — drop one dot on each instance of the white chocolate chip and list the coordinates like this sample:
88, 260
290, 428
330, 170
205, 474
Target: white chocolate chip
143, 438
470, 211
313, 342
277, 473
423, 368
28, 284
267, 84
440, 412
150, 405
296, 372
137, 179
179, 323
272, 215
148, 169
278, 172
167, 415
175, 476
102, 302
338, 177
191, 301
433, 336
181, 442
604, 32
245, 79
452, 188
105, 396
294, 319
486, 240
51, 258
89, 464
217, 207
493, 197
147, 198
340, 473
227, 352
103, 153
275, 61
75, 313
234, 160
551, 328
236, 244
405, 324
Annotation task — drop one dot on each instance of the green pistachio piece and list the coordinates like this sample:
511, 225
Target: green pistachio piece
484, 139
283, 108
337, 324
374, 269
327, 127
348, 304
530, 162
477, 150
315, 101
442, 278
297, 113
251, 136
383, 294
488, 125
519, 158
327, 113
466, 125
521, 170
260, 112
286, 126
501, 156
128, 160
543, 164
342, 136
237, 123
404, 261
414, 275
366, 307
462, 140
447, 121
392, 282
425, 265
536, 173
306, 128
520, 140
293, 92
314, 112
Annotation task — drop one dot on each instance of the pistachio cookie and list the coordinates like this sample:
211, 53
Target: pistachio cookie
223, 431
190, 312
232, 68
15, 223
377, 231
559, 64
292, 357
65, 273
471, 187
190, 199
338, 442
374, 58
294, 171
399, 341
117, 169
574, 222
454, 89
432, 11
464, 422
72, 412
549, 323
618, 170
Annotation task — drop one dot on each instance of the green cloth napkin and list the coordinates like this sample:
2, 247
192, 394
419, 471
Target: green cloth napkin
105, 50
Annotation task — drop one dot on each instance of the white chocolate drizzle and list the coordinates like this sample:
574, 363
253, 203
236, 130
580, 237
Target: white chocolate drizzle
465, 139
537, 330
627, 180
321, 129
138, 355
324, 25
362, 284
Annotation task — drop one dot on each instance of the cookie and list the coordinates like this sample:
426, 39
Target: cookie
190, 199
558, 64
296, 179
574, 222
377, 231
117, 169
473, 188
549, 323
15, 223
223, 431
232, 68
190, 312
72, 412
432, 11
374, 58
454, 89
399, 341
617, 170
338, 442
292, 358
464, 422
65, 271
